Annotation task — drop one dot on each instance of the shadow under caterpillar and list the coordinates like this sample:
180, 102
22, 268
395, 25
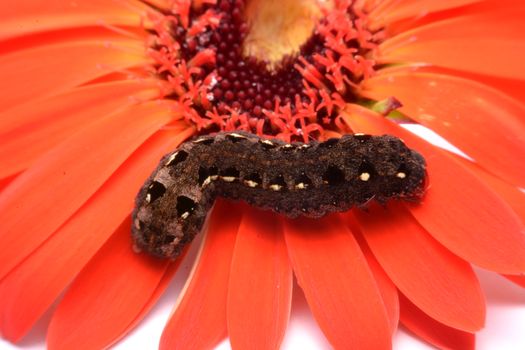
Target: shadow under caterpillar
292, 179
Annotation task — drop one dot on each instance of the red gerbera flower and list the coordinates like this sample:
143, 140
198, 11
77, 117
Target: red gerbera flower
95, 92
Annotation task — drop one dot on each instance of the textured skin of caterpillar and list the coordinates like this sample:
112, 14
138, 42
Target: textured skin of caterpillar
292, 179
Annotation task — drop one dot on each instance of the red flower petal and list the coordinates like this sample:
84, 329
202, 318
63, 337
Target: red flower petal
44, 124
430, 330
107, 296
158, 292
338, 284
519, 280
6, 181
391, 11
29, 16
199, 319
512, 195
387, 289
458, 210
489, 43
481, 121
71, 172
513, 88
439, 283
31, 117
62, 66
64, 254
260, 289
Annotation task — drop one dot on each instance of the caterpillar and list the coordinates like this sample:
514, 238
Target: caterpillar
289, 178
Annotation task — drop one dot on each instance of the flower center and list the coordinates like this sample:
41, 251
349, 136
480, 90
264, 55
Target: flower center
238, 66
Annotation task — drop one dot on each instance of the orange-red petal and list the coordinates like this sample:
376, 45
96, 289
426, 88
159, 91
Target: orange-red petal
62, 66
199, 318
512, 195
428, 329
512, 87
30, 212
260, 288
64, 254
107, 296
489, 43
387, 289
46, 123
4, 182
519, 280
438, 282
338, 284
459, 210
71, 103
158, 292
29, 16
480, 120
391, 11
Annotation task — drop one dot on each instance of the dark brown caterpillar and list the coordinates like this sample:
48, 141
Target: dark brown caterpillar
292, 179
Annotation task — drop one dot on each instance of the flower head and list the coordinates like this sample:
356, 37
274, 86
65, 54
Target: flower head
95, 92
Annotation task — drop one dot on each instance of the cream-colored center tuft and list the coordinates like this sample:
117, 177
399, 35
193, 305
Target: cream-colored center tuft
278, 28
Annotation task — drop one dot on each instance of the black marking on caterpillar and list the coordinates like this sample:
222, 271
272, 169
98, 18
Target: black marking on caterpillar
292, 179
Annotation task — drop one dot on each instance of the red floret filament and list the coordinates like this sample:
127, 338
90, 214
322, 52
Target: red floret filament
197, 51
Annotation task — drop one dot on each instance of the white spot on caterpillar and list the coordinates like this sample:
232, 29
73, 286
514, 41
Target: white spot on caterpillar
364, 176
228, 178
207, 181
148, 198
401, 175
251, 183
300, 186
239, 136
275, 187
185, 215
214, 177
171, 158
267, 142
202, 139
